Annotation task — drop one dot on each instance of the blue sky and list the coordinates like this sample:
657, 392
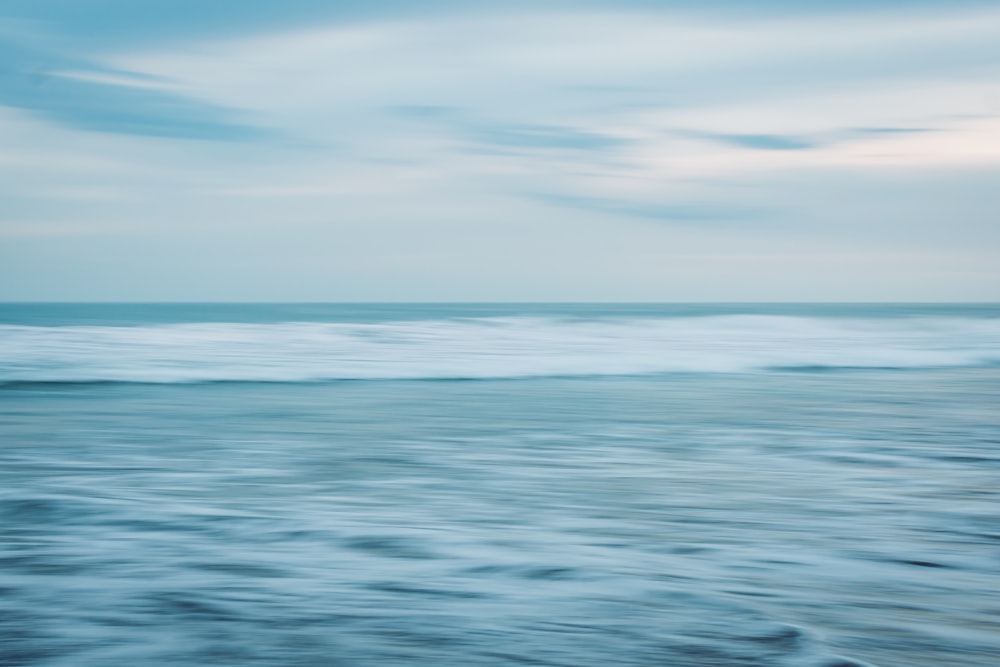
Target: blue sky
472, 151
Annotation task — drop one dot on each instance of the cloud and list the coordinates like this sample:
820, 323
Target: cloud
496, 150
668, 212
793, 142
546, 137
75, 92
547, 68
118, 22
423, 111
126, 22
770, 142
890, 131
456, 121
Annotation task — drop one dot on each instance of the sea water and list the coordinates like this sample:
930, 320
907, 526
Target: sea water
482, 484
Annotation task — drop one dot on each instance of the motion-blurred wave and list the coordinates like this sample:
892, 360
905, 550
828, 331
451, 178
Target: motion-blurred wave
500, 347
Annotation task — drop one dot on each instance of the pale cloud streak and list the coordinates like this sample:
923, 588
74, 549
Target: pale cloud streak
670, 149
743, 81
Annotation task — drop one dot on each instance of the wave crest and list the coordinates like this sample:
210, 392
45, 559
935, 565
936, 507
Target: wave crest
487, 348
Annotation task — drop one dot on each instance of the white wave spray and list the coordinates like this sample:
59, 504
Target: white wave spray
487, 348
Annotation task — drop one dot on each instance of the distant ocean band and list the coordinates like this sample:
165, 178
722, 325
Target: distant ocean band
488, 347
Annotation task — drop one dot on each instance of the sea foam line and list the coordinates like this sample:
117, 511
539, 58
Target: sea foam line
488, 348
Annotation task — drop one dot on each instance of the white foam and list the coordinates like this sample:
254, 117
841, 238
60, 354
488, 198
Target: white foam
488, 348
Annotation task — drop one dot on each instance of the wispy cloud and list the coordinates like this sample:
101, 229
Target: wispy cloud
81, 94
545, 137
662, 211
769, 142
425, 134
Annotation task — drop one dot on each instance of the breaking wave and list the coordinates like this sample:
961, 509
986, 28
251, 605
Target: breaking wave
512, 347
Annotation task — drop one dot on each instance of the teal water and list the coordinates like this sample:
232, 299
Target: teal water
138, 314
692, 485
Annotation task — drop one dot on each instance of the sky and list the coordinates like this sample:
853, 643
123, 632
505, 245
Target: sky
455, 150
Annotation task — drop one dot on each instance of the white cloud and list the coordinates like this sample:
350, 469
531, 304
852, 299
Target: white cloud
496, 61
816, 75
375, 204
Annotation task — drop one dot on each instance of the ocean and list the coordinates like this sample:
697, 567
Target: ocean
574, 485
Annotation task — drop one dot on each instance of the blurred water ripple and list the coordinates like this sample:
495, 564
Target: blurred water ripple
787, 518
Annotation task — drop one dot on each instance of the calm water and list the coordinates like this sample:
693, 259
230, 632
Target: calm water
572, 485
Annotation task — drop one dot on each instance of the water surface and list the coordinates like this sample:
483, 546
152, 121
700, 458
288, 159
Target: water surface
574, 485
